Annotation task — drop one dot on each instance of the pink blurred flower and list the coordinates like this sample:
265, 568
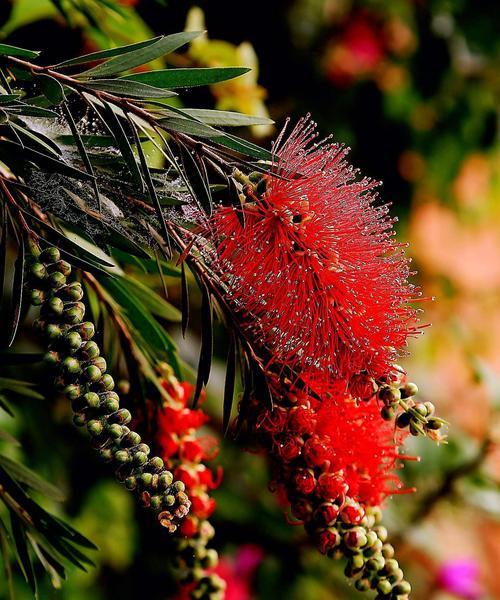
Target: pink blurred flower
460, 576
238, 572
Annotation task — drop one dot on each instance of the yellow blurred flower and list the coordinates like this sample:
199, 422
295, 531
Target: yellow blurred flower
242, 94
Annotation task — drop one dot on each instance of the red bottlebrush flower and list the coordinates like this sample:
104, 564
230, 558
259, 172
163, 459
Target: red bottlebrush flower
314, 271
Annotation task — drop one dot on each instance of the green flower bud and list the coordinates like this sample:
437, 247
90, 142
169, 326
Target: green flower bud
131, 483
106, 383
92, 373
403, 420
387, 413
63, 267
55, 305
211, 559
165, 480
420, 408
389, 395
71, 365
362, 585
384, 587
95, 427
72, 291
391, 565
376, 563
155, 464
403, 588
435, 423
86, 330
122, 456
91, 399
146, 479
122, 417
371, 537
38, 271
56, 280
52, 358
114, 431
49, 255
100, 362
179, 486
381, 533
109, 405
72, 391
387, 551
395, 576
53, 331
131, 439
431, 409
374, 549
106, 454
408, 390
74, 314
168, 499
37, 297
89, 350
80, 419
156, 502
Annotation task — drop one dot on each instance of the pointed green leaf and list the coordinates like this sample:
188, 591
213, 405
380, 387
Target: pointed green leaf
7, 50
225, 117
130, 89
183, 78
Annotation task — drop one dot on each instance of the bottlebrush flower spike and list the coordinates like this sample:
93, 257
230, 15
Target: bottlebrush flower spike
311, 263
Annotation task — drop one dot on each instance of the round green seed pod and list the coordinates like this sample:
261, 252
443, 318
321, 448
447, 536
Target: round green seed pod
100, 363
122, 456
109, 405
391, 565
55, 305
89, 350
63, 267
56, 280
381, 533
71, 365
384, 587
431, 409
73, 341
95, 427
72, 291
52, 358
168, 499
37, 297
92, 374
86, 330
80, 419
156, 502
403, 588
53, 331
140, 458
92, 399
106, 383
72, 391
131, 483
362, 585
403, 420
165, 480
408, 390
388, 551
155, 464
114, 431
121, 417
74, 314
434, 424
38, 271
146, 479
131, 439
387, 413
49, 255
376, 563
179, 486
395, 576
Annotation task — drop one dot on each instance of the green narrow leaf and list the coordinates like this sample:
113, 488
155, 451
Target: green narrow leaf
9, 438
3, 251
225, 117
190, 127
229, 385
4, 404
82, 151
7, 50
41, 140
183, 78
5, 552
151, 300
206, 349
110, 53
17, 293
22, 554
24, 475
184, 299
198, 179
51, 89
243, 147
144, 55
114, 124
130, 89
150, 186
51, 571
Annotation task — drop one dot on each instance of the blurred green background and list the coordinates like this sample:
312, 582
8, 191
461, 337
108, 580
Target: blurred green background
413, 87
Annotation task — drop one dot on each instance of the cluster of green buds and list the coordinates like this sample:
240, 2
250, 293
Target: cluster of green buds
418, 417
253, 186
370, 558
193, 564
80, 374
